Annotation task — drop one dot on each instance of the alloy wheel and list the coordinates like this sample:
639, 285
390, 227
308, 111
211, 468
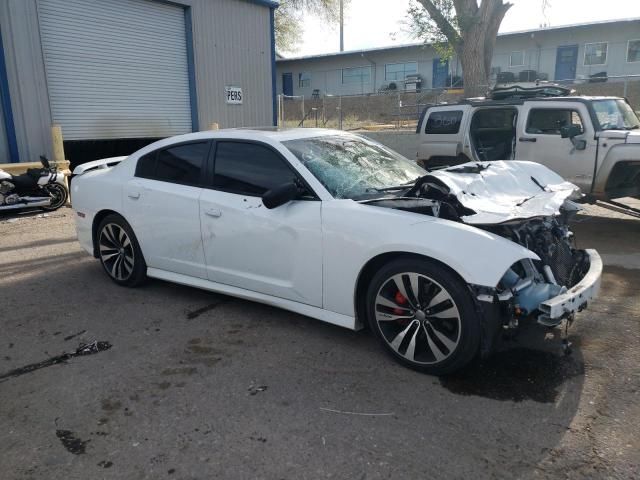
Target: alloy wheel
418, 318
116, 251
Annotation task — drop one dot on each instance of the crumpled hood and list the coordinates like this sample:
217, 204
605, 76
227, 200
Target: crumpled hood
502, 191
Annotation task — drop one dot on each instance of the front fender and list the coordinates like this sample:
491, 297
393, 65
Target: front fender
355, 234
479, 257
619, 157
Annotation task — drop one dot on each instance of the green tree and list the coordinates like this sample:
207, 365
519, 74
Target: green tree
466, 28
288, 19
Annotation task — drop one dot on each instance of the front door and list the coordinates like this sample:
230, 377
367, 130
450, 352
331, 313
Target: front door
539, 140
440, 73
162, 206
566, 61
287, 84
276, 252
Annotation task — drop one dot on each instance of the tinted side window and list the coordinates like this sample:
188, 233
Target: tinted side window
447, 122
550, 121
249, 169
146, 166
182, 164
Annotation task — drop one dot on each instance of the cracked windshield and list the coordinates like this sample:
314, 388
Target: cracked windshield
350, 167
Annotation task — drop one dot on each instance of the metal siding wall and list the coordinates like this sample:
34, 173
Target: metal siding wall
325, 70
242, 58
4, 144
26, 78
116, 69
232, 46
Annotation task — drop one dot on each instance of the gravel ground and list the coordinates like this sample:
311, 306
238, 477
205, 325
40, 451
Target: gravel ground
201, 386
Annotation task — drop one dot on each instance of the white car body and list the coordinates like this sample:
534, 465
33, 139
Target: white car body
439, 268
305, 256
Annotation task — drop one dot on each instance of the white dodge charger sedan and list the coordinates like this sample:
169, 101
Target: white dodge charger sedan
339, 228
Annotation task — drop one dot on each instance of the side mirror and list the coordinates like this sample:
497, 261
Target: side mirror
570, 131
280, 195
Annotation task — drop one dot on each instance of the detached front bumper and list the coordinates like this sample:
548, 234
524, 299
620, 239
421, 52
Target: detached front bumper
576, 298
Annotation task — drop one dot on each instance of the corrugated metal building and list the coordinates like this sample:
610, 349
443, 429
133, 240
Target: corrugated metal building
119, 73
564, 53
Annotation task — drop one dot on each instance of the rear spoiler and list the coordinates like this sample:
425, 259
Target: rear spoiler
102, 163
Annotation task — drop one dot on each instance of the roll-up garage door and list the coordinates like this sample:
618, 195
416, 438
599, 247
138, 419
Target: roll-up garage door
116, 68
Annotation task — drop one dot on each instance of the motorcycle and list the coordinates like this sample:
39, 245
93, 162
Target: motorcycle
39, 187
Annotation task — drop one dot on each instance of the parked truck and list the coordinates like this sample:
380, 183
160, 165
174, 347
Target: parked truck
593, 142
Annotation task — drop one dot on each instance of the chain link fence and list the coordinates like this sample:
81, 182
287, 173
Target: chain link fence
400, 110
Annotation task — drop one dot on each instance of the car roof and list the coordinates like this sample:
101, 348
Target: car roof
520, 101
258, 133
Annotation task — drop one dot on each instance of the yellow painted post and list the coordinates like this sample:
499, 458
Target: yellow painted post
58, 154
58, 146
214, 126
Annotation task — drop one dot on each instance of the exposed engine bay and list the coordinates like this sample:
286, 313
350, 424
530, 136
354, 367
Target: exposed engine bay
525, 203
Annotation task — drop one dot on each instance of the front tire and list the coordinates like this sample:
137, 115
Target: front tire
423, 315
119, 252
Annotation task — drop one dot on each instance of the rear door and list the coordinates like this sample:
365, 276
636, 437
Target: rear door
539, 140
162, 205
276, 252
442, 135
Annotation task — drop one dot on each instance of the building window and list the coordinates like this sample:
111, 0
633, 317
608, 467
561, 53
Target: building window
595, 53
356, 75
400, 71
304, 80
516, 59
633, 51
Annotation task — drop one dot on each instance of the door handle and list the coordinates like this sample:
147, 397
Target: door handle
528, 139
133, 195
213, 212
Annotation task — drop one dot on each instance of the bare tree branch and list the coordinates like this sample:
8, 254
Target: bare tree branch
441, 21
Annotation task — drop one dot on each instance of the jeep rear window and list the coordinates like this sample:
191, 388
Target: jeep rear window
444, 123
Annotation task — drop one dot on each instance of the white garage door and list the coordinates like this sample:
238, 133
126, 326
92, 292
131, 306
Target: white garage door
116, 68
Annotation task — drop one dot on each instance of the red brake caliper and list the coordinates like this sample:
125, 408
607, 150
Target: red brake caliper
400, 300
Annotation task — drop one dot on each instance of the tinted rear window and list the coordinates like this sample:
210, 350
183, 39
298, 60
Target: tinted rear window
444, 123
181, 164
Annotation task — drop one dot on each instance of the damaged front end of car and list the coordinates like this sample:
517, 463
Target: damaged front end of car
550, 290
531, 206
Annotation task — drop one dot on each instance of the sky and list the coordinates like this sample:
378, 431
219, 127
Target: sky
378, 23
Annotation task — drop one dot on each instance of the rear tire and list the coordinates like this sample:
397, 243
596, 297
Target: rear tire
59, 195
119, 252
424, 316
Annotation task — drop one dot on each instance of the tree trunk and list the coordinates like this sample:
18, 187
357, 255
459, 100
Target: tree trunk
479, 30
476, 77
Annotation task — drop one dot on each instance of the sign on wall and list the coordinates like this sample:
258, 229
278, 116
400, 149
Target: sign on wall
233, 95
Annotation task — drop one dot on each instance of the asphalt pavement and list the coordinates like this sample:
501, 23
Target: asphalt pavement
164, 381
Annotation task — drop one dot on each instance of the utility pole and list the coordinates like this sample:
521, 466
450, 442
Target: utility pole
342, 25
